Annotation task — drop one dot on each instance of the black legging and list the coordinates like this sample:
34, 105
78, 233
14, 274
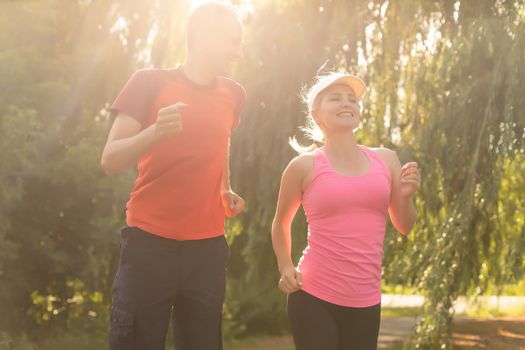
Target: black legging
320, 325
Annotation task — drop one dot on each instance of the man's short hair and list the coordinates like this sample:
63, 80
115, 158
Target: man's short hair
206, 18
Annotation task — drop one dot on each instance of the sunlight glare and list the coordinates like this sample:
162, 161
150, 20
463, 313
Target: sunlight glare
195, 3
245, 7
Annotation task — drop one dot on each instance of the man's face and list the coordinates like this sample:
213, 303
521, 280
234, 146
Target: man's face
223, 46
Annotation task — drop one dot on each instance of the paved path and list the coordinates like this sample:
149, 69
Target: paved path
502, 303
395, 329
508, 334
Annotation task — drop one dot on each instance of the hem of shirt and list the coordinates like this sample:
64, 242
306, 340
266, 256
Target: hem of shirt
346, 302
193, 236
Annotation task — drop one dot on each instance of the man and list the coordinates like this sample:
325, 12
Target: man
176, 125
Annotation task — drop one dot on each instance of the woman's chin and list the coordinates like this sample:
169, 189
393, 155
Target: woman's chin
344, 126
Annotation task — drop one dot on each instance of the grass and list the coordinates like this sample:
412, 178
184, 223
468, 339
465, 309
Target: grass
483, 311
78, 340
400, 312
477, 312
260, 343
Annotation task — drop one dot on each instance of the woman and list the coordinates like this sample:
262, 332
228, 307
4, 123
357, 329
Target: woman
347, 190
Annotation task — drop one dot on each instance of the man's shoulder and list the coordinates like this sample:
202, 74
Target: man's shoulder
236, 88
149, 78
151, 73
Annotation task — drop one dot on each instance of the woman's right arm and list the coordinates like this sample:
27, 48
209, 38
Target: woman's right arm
289, 201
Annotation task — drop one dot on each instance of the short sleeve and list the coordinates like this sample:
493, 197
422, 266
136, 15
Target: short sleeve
137, 96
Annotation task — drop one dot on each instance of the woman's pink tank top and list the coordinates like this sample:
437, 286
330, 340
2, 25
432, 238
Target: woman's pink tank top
347, 218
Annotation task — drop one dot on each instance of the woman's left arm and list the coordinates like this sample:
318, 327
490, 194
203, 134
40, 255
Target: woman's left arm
406, 180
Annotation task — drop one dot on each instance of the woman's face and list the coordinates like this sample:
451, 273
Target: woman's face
338, 109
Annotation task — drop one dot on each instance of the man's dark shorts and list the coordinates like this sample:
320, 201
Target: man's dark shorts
156, 276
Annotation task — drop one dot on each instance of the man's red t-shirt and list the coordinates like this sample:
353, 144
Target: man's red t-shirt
177, 190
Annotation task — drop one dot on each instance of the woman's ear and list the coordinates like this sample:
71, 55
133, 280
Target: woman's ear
316, 119
315, 116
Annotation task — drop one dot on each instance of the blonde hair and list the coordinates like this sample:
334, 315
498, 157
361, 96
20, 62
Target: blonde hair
311, 129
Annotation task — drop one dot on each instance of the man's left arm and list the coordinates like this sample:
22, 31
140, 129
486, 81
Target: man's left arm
233, 203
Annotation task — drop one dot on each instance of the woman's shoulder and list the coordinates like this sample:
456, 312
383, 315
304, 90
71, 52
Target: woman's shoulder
387, 155
303, 162
301, 169
383, 151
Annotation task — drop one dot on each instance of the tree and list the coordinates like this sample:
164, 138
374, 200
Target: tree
60, 214
445, 89
444, 81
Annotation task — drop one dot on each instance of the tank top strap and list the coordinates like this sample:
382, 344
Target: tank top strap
376, 161
321, 163
320, 157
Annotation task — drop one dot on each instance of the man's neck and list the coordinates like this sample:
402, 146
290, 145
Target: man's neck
196, 73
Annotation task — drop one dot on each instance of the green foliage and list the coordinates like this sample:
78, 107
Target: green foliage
60, 214
446, 82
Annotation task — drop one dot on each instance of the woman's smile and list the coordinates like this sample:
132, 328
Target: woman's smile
346, 114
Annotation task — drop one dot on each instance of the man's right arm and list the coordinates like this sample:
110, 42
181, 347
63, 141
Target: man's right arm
127, 142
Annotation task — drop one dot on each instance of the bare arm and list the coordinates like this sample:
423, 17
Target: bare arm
290, 195
127, 142
232, 202
226, 174
405, 182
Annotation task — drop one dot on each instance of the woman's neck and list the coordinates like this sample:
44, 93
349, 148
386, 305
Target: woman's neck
341, 144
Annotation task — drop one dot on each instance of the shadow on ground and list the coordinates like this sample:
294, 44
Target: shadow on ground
503, 333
